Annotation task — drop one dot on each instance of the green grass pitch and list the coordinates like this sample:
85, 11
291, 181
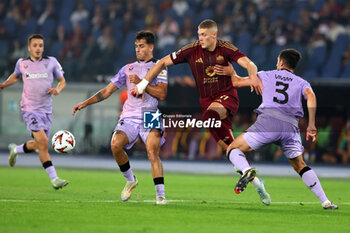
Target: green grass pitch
197, 203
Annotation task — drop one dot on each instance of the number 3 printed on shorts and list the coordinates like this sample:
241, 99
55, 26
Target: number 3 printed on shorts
283, 92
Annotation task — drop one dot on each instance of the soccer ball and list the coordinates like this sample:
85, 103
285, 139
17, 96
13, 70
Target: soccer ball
63, 141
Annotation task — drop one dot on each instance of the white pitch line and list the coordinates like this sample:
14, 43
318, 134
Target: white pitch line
174, 201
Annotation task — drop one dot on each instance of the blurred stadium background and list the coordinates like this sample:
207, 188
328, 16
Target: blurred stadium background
93, 39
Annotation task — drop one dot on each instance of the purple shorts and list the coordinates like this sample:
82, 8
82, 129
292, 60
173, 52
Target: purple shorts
133, 128
36, 121
268, 130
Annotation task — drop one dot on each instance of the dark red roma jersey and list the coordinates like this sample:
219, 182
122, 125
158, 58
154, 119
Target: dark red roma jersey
202, 64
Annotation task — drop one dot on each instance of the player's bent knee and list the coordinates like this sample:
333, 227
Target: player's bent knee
116, 147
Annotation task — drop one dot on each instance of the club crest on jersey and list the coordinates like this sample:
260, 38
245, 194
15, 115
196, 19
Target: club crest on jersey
220, 58
210, 71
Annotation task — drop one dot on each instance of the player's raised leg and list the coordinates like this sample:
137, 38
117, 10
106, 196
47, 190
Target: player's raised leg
15, 150
236, 154
119, 140
224, 137
152, 146
311, 180
41, 143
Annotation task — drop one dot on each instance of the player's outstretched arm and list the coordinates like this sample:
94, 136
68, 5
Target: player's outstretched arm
152, 73
9, 81
311, 107
158, 91
60, 86
228, 70
255, 82
98, 97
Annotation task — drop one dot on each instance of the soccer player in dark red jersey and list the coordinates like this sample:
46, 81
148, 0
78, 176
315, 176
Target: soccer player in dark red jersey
218, 97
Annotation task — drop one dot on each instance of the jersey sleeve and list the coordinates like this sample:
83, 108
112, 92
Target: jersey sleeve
305, 84
162, 76
182, 55
232, 52
261, 75
57, 69
17, 71
119, 79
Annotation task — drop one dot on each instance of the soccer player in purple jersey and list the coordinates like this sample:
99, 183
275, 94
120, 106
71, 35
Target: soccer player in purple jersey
130, 125
277, 122
38, 73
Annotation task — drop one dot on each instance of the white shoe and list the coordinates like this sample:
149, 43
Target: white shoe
126, 193
264, 196
327, 205
13, 154
58, 183
161, 201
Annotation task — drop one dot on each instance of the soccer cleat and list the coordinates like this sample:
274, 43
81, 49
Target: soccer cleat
327, 205
244, 180
161, 201
264, 196
13, 155
130, 185
58, 183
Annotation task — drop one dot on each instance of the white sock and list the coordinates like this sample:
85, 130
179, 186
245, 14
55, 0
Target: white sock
160, 191
255, 182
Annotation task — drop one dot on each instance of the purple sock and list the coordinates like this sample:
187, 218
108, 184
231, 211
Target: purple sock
127, 172
159, 186
51, 171
238, 159
19, 149
311, 181
129, 175
160, 192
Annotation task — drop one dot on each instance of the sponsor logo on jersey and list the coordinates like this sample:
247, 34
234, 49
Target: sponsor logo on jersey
210, 71
35, 76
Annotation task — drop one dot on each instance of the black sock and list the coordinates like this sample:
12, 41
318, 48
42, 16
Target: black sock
158, 180
26, 150
47, 164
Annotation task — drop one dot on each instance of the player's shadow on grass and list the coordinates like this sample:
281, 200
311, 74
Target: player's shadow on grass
302, 209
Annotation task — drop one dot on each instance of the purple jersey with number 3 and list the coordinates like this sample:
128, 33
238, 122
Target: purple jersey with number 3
37, 77
134, 107
282, 95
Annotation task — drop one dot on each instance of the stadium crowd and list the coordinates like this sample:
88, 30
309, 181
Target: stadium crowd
92, 39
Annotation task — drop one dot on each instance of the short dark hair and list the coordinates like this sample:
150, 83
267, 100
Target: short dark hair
147, 35
291, 57
35, 36
208, 23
